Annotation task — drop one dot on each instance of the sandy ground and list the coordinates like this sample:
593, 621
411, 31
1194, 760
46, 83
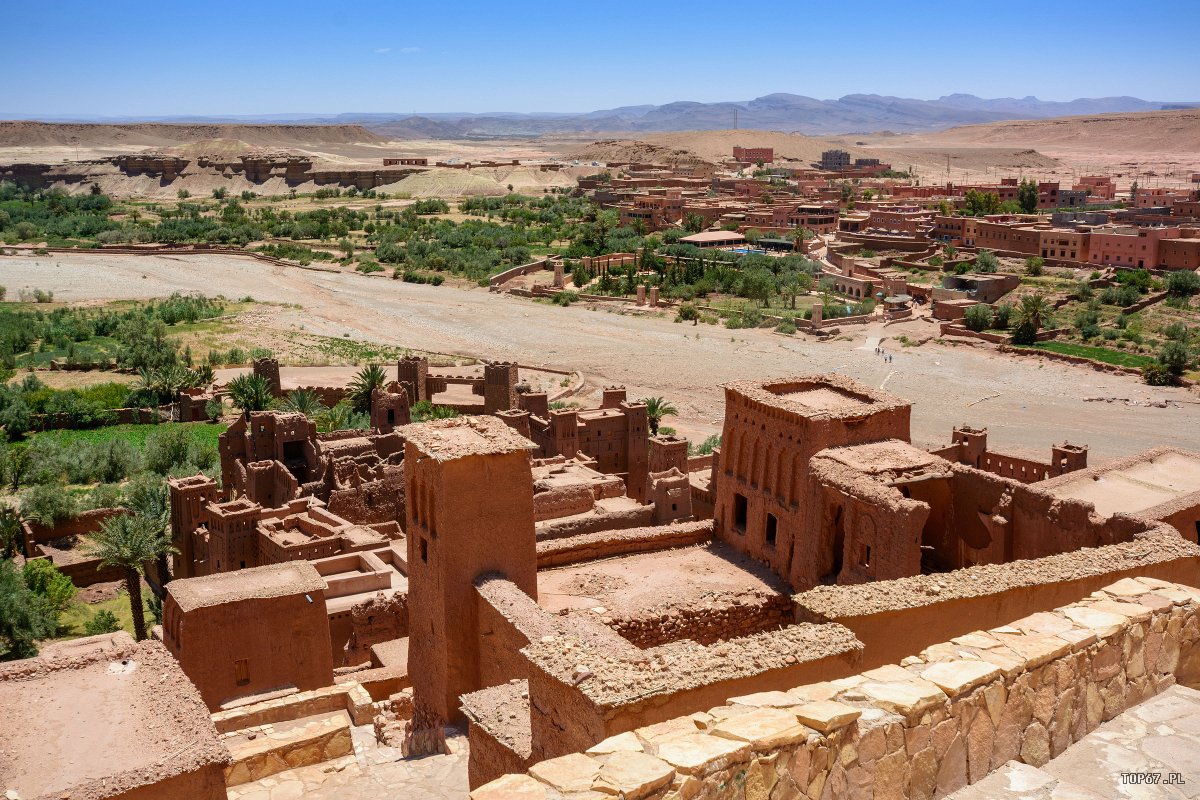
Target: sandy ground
1026, 403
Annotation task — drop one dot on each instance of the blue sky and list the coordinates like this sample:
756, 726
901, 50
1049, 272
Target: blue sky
123, 58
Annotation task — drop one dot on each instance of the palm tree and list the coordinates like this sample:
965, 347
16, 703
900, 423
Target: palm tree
250, 392
340, 418
128, 542
656, 409
368, 379
149, 499
1033, 313
304, 402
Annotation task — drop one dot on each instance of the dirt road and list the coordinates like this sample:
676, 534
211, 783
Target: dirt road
1025, 403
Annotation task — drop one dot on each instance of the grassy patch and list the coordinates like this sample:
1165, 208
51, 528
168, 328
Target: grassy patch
200, 432
1101, 354
72, 621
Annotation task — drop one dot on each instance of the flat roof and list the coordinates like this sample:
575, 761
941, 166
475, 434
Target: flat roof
274, 580
1135, 484
830, 395
714, 236
103, 710
462, 437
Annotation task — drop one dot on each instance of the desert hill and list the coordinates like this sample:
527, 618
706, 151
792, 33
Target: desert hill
140, 135
1153, 131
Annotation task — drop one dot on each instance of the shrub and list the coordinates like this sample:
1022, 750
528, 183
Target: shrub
1156, 374
105, 495
986, 261
564, 298
787, 326
1174, 357
1000, 316
104, 621
978, 317
43, 578
49, 505
1183, 283
707, 446
687, 313
1035, 265
170, 451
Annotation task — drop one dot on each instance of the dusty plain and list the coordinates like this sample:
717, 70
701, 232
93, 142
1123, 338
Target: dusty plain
1026, 403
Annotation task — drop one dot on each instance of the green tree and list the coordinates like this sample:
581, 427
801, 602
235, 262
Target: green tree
978, 318
43, 578
303, 401
1033, 313
25, 616
10, 532
656, 410
1174, 357
368, 379
1034, 265
1027, 196
693, 222
979, 203
250, 392
986, 261
148, 498
1183, 283
128, 542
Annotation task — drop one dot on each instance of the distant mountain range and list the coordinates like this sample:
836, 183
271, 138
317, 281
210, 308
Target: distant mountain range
854, 113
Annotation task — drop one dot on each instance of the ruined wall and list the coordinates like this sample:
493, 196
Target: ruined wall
609, 543
721, 620
372, 502
378, 619
942, 721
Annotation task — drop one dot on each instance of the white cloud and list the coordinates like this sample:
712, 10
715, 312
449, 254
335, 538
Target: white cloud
410, 49
383, 49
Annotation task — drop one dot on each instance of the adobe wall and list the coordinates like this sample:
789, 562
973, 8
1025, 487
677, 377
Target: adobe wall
602, 520
894, 618
371, 502
940, 721
580, 695
627, 541
83, 523
509, 619
721, 620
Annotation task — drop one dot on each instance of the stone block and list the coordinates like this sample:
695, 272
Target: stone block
700, 754
907, 698
571, 773
958, 677
1105, 624
632, 776
512, 787
827, 715
764, 729
622, 741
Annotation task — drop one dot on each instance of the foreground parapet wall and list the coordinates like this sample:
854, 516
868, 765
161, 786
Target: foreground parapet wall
924, 728
895, 618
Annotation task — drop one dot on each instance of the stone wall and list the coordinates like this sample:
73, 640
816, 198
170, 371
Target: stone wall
924, 728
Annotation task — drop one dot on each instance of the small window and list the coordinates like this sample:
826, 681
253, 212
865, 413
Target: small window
739, 512
243, 565
241, 671
865, 561
772, 530
424, 551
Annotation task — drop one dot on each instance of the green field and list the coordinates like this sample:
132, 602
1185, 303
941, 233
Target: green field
1104, 355
72, 622
200, 432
